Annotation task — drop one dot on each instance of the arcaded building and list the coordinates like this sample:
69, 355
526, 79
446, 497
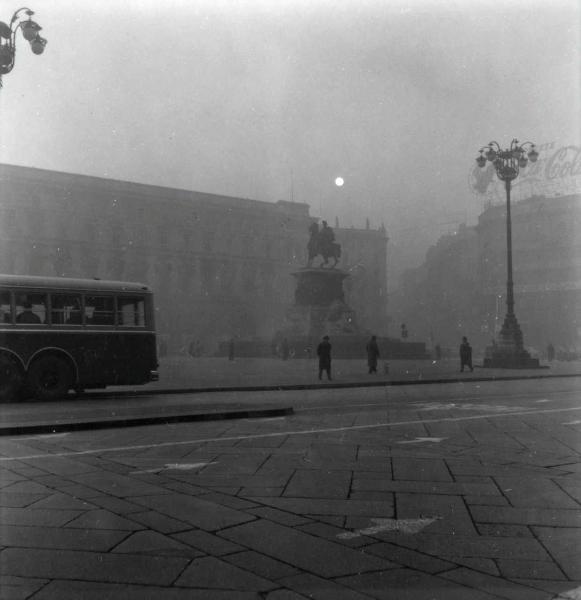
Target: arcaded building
220, 266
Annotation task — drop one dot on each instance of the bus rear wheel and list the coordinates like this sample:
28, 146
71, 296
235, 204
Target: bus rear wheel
10, 379
49, 378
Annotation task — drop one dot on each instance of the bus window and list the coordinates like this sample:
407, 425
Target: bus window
30, 308
65, 309
99, 310
5, 316
131, 311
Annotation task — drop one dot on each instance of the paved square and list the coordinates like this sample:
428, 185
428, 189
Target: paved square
450, 492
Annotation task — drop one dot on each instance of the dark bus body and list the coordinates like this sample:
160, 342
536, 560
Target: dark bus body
58, 334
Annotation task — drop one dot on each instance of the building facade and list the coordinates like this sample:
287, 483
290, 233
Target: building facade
546, 235
220, 266
460, 289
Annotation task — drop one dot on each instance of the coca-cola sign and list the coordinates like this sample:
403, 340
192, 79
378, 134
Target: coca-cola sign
556, 172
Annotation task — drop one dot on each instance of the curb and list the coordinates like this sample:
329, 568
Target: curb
120, 422
316, 386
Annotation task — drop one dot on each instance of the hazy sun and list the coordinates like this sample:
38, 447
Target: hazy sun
339, 181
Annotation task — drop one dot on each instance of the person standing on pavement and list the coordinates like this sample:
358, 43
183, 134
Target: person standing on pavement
324, 354
465, 355
372, 354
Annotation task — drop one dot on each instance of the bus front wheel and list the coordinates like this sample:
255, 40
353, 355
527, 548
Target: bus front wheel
10, 379
49, 378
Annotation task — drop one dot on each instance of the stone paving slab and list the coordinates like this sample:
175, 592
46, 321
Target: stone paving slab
59, 538
420, 470
515, 568
475, 546
564, 545
334, 534
205, 515
410, 558
259, 564
319, 484
527, 516
37, 518
329, 507
407, 584
485, 488
158, 522
497, 586
19, 588
103, 519
279, 516
545, 493
90, 566
554, 587
154, 544
73, 590
18, 500
27, 487
61, 501
453, 517
213, 573
321, 589
303, 551
61, 466
120, 486
208, 542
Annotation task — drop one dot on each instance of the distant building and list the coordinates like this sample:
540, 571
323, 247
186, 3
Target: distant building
438, 300
460, 289
546, 264
219, 266
364, 257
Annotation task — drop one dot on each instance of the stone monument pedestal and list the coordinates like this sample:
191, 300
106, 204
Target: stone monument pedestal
320, 306
508, 352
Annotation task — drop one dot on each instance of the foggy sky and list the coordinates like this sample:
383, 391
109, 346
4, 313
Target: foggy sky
273, 99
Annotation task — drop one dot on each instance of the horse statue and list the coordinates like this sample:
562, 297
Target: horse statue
322, 243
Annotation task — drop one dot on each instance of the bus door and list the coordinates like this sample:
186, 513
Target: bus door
99, 348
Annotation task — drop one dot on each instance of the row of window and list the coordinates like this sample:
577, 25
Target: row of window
36, 308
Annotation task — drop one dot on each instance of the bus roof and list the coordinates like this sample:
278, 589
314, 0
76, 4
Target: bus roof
67, 283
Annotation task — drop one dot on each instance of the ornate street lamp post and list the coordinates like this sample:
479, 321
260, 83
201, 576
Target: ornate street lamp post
30, 33
508, 351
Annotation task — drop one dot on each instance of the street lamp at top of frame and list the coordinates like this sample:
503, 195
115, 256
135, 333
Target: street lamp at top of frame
508, 162
30, 31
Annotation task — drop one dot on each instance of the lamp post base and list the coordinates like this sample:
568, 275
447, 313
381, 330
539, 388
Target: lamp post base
508, 351
520, 360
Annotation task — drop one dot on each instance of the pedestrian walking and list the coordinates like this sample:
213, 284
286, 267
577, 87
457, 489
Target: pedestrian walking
372, 354
550, 352
465, 355
231, 349
324, 354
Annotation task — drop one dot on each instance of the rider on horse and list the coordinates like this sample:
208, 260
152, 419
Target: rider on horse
322, 241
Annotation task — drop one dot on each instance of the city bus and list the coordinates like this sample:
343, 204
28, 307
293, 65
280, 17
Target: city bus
59, 334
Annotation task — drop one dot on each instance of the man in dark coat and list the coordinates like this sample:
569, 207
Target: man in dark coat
324, 354
465, 355
372, 354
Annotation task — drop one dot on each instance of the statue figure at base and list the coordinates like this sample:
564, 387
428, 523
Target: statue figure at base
322, 243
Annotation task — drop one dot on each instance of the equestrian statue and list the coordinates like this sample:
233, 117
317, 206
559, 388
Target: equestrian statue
322, 243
